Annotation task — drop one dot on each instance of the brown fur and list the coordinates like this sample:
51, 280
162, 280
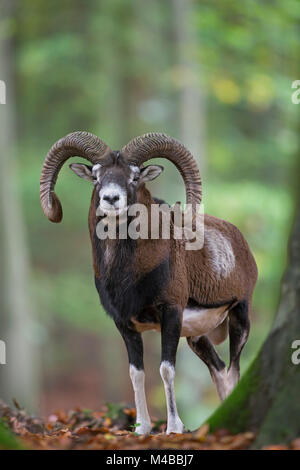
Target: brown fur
191, 273
205, 286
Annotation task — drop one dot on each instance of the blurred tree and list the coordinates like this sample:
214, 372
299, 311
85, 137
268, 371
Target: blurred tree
18, 378
192, 111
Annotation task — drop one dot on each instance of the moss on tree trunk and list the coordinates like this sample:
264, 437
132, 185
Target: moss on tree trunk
7, 440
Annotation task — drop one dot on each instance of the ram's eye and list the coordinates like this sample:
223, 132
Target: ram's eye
96, 171
134, 177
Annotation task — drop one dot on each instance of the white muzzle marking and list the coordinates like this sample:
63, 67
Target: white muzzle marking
113, 199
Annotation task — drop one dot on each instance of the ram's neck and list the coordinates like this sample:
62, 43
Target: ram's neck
137, 256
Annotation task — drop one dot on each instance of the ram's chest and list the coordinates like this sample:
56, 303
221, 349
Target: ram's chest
124, 296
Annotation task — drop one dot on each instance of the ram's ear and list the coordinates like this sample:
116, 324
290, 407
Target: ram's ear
83, 171
150, 172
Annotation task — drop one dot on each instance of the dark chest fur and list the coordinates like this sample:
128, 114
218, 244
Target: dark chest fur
123, 292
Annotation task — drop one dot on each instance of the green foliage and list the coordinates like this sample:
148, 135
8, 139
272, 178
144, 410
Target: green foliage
133, 427
115, 410
7, 440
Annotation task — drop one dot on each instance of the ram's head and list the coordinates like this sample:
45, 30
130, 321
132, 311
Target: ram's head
116, 175
116, 181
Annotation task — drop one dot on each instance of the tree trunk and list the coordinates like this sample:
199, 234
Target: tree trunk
191, 98
267, 399
7, 440
18, 377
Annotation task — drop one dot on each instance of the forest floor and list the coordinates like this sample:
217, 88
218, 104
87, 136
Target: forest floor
113, 428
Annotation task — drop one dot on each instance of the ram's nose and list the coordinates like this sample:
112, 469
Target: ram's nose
111, 198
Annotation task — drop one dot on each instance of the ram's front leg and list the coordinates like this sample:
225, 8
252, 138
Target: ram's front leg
134, 345
170, 334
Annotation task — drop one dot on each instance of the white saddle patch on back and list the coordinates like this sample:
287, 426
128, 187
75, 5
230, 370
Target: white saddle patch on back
222, 258
201, 321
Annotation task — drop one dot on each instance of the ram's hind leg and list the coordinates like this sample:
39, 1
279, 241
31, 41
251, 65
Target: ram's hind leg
239, 326
202, 346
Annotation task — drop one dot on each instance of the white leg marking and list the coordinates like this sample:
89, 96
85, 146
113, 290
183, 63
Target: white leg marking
142, 415
167, 372
220, 381
225, 381
233, 377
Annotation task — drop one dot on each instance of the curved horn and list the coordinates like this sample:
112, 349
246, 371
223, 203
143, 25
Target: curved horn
81, 144
153, 145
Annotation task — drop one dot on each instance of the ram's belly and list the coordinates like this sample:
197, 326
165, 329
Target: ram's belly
145, 326
201, 321
195, 321
146, 320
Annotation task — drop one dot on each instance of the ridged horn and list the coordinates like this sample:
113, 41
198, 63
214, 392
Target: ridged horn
153, 145
80, 144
